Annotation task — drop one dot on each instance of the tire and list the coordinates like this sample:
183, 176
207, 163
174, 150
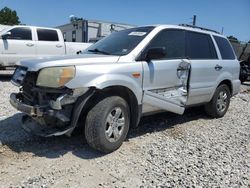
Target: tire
105, 129
219, 104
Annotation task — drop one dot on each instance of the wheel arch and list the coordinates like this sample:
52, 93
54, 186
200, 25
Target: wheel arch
228, 83
127, 94
225, 81
88, 100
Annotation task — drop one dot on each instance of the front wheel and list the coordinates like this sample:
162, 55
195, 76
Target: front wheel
219, 104
107, 124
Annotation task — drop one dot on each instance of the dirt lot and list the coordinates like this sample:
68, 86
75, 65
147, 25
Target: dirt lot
166, 150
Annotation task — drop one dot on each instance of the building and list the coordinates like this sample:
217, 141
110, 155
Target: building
81, 30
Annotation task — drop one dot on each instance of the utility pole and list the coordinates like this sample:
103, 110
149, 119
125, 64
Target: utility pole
222, 30
194, 20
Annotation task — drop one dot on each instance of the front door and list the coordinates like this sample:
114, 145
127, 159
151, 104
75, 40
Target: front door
166, 84
166, 80
16, 46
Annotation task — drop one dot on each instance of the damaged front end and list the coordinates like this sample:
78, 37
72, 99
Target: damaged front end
48, 111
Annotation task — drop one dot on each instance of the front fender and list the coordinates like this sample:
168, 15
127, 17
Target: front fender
107, 80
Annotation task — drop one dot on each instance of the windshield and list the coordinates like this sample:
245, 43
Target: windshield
121, 42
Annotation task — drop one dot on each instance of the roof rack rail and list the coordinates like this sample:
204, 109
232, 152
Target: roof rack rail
197, 27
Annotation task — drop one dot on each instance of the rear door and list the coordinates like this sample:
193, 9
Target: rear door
166, 80
49, 43
18, 45
206, 67
229, 62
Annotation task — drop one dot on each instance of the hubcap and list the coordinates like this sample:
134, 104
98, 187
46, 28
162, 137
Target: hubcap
115, 124
222, 101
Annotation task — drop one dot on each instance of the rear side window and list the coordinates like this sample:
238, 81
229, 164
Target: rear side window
20, 33
173, 41
47, 35
200, 46
224, 47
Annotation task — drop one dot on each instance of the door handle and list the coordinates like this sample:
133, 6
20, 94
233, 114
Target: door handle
218, 67
59, 46
29, 44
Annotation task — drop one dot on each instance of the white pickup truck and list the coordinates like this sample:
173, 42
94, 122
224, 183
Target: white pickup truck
29, 42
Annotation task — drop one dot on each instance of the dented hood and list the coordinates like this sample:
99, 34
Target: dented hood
83, 59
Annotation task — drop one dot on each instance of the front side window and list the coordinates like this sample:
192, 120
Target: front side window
224, 47
121, 42
173, 42
20, 33
200, 46
47, 35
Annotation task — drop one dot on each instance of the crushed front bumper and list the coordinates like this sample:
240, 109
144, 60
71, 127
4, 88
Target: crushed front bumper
59, 116
33, 111
41, 120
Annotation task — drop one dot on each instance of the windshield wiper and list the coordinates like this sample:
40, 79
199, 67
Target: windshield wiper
99, 51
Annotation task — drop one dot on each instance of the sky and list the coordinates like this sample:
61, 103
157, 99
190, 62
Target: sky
231, 15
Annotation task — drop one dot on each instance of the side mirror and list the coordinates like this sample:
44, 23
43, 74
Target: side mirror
155, 53
6, 35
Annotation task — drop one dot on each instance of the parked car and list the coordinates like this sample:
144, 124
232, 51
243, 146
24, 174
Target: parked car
2, 27
124, 76
242, 51
245, 70
29, 42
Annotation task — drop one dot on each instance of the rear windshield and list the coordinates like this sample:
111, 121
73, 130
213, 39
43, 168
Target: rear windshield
121, 42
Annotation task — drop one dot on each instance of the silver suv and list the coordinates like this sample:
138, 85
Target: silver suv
131, 73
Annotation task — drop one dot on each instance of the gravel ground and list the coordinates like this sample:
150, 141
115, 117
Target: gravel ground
166, 150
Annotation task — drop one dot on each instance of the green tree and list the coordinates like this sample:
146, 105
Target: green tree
8, 17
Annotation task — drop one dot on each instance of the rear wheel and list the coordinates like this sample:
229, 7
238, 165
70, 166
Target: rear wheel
219, 104
107, 124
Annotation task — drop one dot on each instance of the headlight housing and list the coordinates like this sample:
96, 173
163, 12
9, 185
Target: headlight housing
55, 77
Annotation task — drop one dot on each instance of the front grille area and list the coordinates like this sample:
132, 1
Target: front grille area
29, 83
19, 75
33, 95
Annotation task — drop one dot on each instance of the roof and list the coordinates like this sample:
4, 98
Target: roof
11, 26
189, 28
